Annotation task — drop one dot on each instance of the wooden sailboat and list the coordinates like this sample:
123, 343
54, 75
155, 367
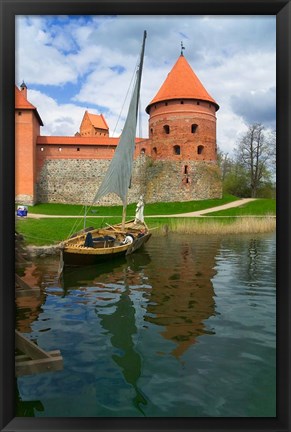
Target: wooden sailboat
93, 245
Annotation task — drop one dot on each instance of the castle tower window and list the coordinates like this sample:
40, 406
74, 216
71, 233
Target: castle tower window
177, 150
152, 131
186, 169
194, 128
167, 129
200, 149
155, 150
143, 150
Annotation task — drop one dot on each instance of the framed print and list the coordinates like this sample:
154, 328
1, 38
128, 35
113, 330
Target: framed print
145, 259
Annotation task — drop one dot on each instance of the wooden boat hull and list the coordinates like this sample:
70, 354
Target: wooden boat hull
75, 253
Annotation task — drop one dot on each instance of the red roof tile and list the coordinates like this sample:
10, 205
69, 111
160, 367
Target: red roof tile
98, 121
182, 83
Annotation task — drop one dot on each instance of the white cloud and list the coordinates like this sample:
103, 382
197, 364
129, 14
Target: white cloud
234, 57
58, 119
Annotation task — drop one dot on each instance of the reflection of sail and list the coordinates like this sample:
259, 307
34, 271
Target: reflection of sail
121, 324
183, 298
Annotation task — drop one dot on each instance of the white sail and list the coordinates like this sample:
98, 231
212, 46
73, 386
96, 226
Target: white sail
118, 176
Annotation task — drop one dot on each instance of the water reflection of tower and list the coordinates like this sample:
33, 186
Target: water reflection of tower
182, 297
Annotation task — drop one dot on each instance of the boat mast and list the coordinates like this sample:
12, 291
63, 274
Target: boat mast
139, 81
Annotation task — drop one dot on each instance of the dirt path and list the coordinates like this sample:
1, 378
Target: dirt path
210, 210
189, 214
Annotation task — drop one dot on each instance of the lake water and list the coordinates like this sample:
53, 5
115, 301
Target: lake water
185, 327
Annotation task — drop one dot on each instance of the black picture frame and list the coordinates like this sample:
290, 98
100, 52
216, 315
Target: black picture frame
11, 8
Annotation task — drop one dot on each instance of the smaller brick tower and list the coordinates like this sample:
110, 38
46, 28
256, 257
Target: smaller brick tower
93, 125
182, 132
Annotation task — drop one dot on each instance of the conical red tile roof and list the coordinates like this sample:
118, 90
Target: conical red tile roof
182, 83
22, 103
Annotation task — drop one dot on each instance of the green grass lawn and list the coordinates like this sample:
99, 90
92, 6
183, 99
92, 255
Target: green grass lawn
260, 207
46, 231
150, 209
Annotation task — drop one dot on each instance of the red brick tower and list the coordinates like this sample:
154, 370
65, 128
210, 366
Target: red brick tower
182, 136
182, 124
27, 129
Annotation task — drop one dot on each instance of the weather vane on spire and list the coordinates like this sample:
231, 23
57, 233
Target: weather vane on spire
182, 48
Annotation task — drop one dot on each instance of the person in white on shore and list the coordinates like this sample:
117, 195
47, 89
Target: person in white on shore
139, 211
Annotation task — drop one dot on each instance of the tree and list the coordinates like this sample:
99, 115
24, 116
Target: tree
255, 153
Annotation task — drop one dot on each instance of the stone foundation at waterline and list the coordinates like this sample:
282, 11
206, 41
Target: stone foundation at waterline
75, 181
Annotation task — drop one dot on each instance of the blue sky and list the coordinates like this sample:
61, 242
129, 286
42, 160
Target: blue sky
74, 63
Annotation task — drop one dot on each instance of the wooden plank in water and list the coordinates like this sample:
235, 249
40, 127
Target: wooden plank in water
29, 367
29, 348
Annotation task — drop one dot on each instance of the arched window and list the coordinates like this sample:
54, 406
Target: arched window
186, 169
152, 131
177, 150
200, 149
194, 127
143, 150
167, 129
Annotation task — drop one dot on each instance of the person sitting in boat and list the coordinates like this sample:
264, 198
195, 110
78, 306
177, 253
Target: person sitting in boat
139, 211
141, 233
89, 240
128, 238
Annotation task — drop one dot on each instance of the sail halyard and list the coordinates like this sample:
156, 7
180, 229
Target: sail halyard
118, 176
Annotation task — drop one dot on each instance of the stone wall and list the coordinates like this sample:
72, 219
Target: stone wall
77, 180
188, 181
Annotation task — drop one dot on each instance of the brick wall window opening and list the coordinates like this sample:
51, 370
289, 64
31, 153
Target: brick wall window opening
78, 148
19, 113
143, 150
177, 150
167, 129
200, 149
194, 128
152, 131
186, 169
155, 150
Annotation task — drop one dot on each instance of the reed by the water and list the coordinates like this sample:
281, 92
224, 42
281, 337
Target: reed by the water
241, 225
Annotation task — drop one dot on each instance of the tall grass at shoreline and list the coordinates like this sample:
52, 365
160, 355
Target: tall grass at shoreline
209, 226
